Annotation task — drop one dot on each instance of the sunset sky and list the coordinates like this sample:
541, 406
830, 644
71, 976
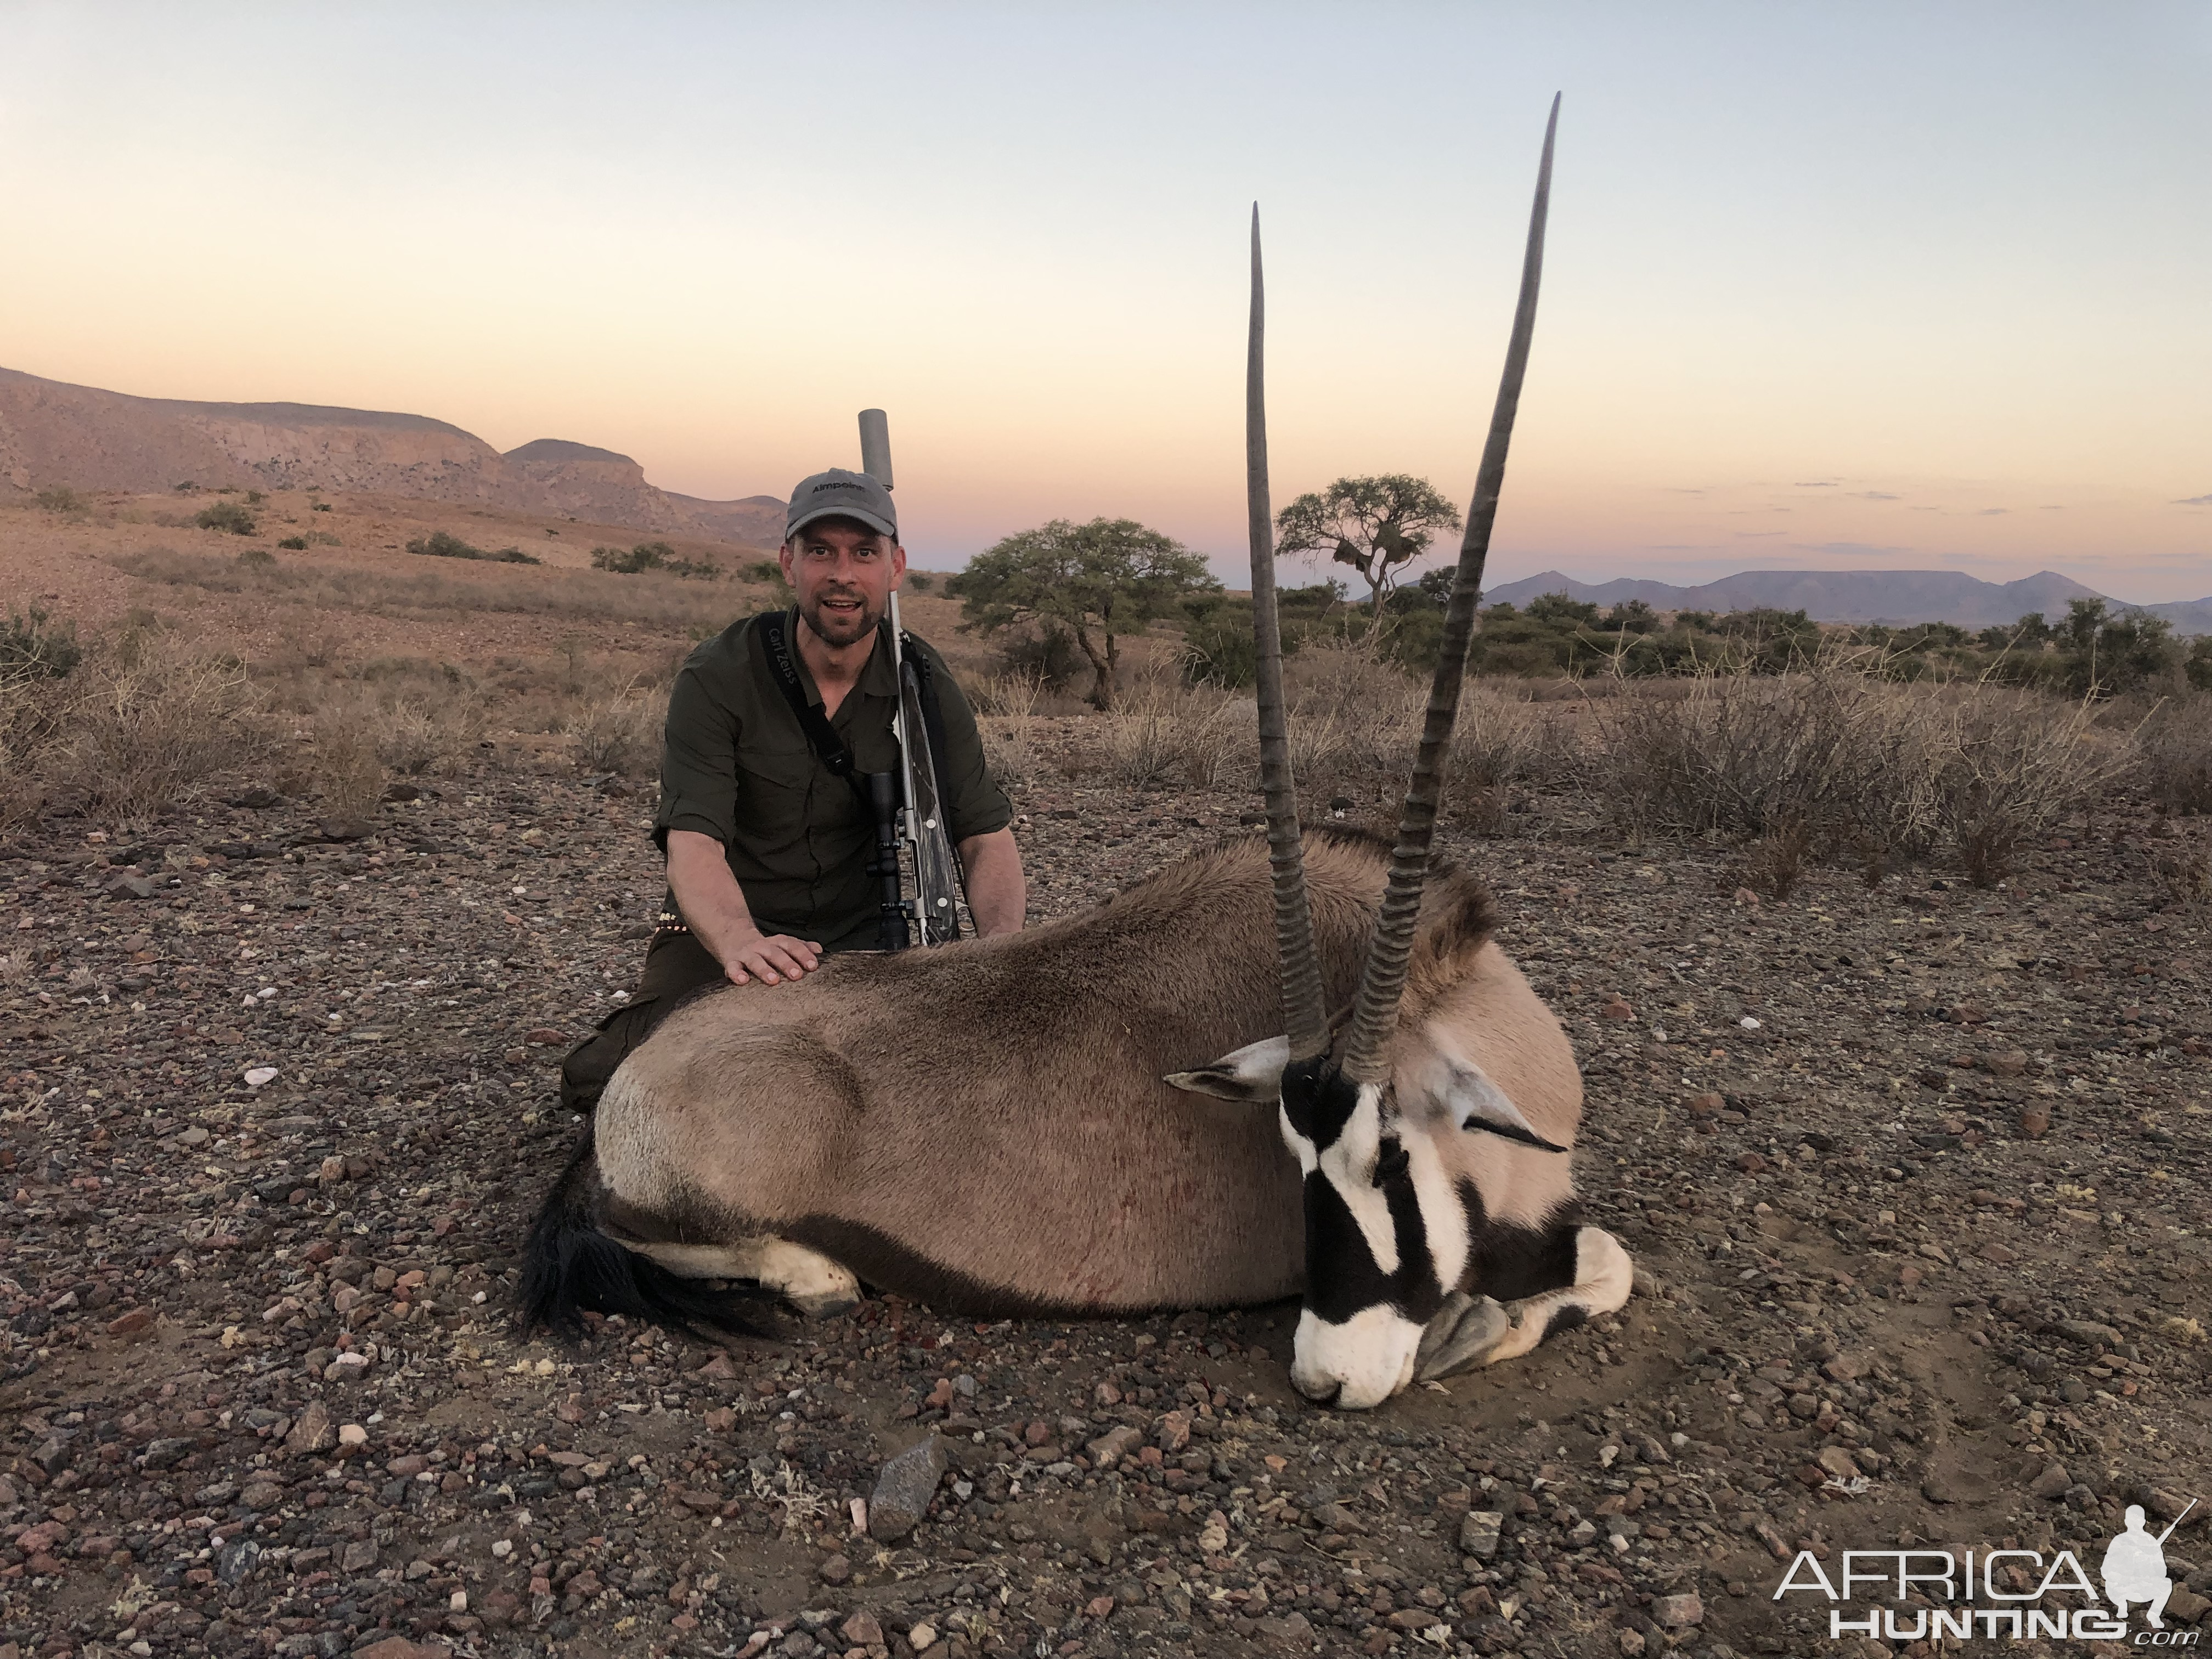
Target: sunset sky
1841, 285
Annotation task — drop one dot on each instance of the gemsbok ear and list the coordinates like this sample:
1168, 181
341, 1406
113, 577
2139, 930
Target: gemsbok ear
1481, 1106
1252, 1075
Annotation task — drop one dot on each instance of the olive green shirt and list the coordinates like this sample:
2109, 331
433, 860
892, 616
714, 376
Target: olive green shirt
735, 766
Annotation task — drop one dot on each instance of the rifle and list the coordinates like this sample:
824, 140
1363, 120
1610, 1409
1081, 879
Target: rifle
2177, 1521
913, 824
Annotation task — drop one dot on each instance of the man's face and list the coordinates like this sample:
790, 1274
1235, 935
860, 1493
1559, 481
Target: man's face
843, 573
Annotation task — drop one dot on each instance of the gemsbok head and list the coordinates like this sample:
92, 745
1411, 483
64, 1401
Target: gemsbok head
1430, 1197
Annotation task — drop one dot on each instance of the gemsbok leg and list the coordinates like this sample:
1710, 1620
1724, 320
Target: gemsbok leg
817, 1286
1544, 1282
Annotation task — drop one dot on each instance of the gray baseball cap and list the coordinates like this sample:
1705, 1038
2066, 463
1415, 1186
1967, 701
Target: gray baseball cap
840, 494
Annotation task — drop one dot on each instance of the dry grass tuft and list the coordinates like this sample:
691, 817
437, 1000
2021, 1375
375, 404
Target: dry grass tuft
343, 766
1013, 693
1009, 748
152, 716
620, 731
402, 717
1004, 706
1859, 768
32, 715
2185, 869
1142, 746
1163, 731
2173, 750
2008, 766
1776, 861
1354, 718
1500, 741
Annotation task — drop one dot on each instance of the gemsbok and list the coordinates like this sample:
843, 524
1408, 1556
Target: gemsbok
1091, 1117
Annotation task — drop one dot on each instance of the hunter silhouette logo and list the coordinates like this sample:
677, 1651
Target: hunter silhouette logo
1993, 1594
2135, 1567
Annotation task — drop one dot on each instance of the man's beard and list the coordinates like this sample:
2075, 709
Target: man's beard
840, 628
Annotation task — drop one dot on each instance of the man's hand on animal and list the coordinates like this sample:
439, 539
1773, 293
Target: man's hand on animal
772, 958
708, 896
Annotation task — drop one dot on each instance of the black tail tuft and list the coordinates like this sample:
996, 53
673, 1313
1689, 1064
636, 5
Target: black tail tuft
569, 1264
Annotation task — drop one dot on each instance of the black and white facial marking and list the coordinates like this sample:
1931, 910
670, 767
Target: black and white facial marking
1386, 1233
1386, 1236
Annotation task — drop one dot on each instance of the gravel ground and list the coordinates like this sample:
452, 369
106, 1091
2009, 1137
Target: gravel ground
1914, 1177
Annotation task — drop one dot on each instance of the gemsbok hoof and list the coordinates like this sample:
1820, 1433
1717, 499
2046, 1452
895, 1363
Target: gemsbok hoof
1461, 1337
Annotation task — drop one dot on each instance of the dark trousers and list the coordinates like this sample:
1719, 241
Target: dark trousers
674, 963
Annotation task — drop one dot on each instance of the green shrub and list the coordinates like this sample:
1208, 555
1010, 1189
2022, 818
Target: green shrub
630, 563
254, 498
252, 556
2107, 654
61, 499
1219, 649
920, 581
230, 517
293, 544
37, 647
319, 506
767, 571
1049, 656
443, 545
650, 555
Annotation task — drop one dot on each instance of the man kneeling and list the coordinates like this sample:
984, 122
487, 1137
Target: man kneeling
768, 847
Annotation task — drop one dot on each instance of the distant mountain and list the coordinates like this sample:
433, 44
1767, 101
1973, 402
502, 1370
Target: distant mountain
51, 432
2190, 617
1856, 596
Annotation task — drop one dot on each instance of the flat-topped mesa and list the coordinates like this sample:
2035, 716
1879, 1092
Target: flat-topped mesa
595, 484
54, 434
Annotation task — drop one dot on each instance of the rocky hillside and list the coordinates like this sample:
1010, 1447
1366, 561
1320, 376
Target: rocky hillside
54, 434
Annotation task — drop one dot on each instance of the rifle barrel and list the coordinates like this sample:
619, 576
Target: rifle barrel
2176, 1522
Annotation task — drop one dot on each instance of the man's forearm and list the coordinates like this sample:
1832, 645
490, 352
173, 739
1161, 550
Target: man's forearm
714, 909
998, 893
712, 903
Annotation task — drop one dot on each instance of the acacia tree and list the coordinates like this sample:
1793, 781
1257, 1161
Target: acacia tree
1098, 580
1376, 525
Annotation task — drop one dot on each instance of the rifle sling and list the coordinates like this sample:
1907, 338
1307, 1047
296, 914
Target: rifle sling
822, 736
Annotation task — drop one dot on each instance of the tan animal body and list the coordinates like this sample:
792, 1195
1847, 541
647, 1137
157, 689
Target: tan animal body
986, 1127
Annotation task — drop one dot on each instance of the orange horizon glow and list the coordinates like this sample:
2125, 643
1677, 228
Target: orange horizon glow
1877, 289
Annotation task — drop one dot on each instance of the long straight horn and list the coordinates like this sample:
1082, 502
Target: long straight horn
1303, 1016
1375, 1014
